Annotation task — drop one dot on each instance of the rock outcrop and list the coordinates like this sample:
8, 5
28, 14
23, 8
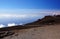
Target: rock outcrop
47, 20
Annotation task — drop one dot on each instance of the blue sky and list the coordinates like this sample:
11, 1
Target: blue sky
30, 4
24, 11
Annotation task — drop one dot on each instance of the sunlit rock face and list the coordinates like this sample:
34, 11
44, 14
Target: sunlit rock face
47, 32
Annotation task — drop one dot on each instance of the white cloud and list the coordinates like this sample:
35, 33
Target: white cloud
21, 24
26, 13
22, 16
12, 15
1, 25
11, 24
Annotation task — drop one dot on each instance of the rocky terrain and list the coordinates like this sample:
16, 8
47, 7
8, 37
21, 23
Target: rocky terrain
47, 20
47, 32
45, 28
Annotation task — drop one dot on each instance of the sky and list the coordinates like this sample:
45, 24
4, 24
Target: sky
24, 11
26, 6
30, 4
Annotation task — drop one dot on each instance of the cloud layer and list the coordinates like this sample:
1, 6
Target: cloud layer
9, 25
1, 25
25, 14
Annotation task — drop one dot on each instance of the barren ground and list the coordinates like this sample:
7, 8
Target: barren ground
46, 32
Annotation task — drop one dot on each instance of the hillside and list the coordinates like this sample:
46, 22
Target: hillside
47, 32
42, 27
47, 20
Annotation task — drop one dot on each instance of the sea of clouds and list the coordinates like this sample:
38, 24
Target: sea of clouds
9, 25
19, 17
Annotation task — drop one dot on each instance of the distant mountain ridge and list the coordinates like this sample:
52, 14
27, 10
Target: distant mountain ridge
47, 20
